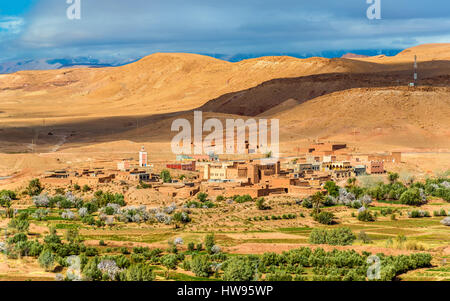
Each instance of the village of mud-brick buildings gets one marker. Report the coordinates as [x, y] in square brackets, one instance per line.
[302, 175]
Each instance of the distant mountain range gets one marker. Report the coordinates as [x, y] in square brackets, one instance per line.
[51, 64]
[89, 62]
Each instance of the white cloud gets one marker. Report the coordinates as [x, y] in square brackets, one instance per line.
[139, 27]
[11, 25]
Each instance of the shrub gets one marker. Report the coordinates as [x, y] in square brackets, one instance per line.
[366, 216]
[418, 214]
[338, 236]
[34, 188]
[86, 188]
[260, 204]
[181, 217]
[165, 176]
[202, 197]
[40, 214]
[46, 259]
[201, 266]
[191, 247]
[239, 269]
[412, 196]
[209, 242]
[89, 220]
[242, 198]
[364, 237]
[278, 276]
[442, 212]
[324, 217]
[332, 188]
[170, 261]
[138, 272]
[104, 199]
[307, 203]
[20, 223]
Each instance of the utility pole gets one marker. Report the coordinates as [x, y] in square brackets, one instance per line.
[415, 71]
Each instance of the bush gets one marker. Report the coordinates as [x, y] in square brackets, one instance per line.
[104, 199]
[202, 197]
[181, 217]
[366, 216]
[442, 212]
[34, 188]
[278, 276]
[242, 198]
[418, 214]
[338, 236]
[209, 243]
[138, 272]
[413, 197]
[332, 188]
[239, 269]
[324, 217]
[20, 223]
[46, 259]
[201, 266]
[307, 203]
[364, 237]
[165, 176]
[86, 188]
[260, 204]
[170, 261]
[191, 247]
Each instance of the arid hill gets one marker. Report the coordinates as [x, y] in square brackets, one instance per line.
[362, 100]
[159, 83]
[353, 56]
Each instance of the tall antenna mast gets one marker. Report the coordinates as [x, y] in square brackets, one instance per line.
[415, 70]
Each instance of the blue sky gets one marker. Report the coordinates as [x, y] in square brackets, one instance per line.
[118, 29]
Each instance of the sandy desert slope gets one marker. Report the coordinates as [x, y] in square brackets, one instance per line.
[365, 101]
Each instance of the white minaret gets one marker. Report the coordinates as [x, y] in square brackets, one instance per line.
[142, 158]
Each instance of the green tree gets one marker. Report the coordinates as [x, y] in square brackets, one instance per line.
[86, 188]
[332, 188]
[20, 223]
[46, 259]
[324, 217]
[239, 269]
[411, 196]
[351, 182]
[72, 235]
[393, 177]
[165, 176]
[317, 200]
[34, 188]
[138, 272]
[260, 204]
[201, 266]
[202, 197]
[209, 242]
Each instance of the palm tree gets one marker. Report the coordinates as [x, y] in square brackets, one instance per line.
[317, 199]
